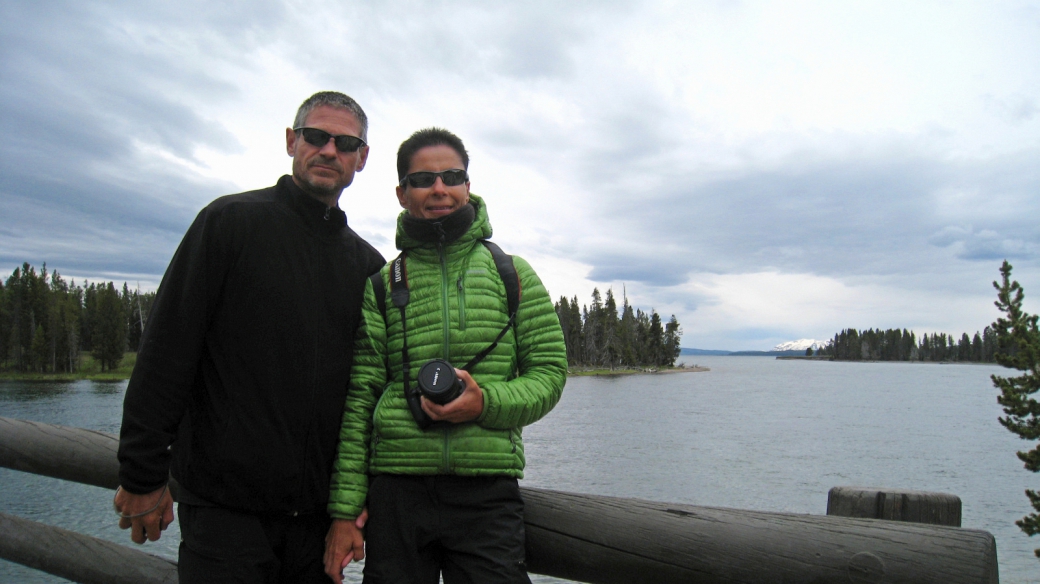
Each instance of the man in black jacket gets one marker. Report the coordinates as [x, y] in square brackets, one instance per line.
[242, 372]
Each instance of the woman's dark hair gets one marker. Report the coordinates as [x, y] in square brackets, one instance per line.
[422, 139]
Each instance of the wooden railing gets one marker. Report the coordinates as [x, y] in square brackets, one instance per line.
[586, 538]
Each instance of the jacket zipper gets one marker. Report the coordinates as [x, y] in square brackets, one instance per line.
[310, 426]
[446, 331]
[462, 303]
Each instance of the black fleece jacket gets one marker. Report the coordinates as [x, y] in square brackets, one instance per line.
[243, 369]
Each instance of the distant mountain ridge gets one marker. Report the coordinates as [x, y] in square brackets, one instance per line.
[783, 349]
[800, 345]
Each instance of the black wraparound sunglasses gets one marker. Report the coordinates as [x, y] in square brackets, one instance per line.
[320, 138]
[425, 180]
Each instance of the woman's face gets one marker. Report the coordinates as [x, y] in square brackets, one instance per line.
[437, 200]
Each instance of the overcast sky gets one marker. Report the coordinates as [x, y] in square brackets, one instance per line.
[766, 171]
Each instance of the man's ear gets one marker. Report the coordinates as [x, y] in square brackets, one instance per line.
[362, 159]
[290, 142]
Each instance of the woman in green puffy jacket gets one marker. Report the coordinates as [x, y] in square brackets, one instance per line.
[440, 480]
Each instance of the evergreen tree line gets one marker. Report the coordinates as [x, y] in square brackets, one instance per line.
[46, 322]
[600, 336]
[902, 345]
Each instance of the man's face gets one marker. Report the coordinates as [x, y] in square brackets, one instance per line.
[437, 200]
[323, 171]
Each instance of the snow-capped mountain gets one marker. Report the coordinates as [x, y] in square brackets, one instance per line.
[800, 345]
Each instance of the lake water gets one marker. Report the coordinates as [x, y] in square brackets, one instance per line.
[752, 433]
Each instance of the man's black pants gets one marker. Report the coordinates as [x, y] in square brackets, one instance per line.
[223, 546]
[470, 529]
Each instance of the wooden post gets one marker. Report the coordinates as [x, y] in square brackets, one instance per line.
[78, 557]
[895, 505]
[608, 540]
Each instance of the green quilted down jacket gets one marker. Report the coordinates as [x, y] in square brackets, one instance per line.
[457, 308]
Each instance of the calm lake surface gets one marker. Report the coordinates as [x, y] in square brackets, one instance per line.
[752, 433]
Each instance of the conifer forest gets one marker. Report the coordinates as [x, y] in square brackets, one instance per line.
[903, 345]
[46, 322]
[601, 335]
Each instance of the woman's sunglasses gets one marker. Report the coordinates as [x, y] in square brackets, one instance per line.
[320, 138]
[425, 180]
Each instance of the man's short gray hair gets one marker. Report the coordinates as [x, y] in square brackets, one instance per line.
[332, 99]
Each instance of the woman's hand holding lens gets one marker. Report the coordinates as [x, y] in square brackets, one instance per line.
[465, 408]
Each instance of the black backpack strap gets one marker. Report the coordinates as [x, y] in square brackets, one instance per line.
[506, 271]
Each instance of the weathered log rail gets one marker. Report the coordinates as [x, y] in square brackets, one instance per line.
[78, 557]
[610, 540]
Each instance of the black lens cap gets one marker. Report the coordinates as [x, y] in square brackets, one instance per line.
[437, 377]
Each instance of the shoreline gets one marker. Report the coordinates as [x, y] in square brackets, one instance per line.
[796, 358]
[87, 370]
[623, 372]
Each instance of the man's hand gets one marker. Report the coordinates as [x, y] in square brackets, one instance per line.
[465, 408]
[344, 543]
[147, 516]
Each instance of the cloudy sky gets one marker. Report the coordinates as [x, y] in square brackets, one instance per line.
[766, 171]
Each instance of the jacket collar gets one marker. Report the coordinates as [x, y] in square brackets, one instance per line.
[480, 229]
[315, 214]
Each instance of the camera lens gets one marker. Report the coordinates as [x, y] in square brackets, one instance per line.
[438, 382]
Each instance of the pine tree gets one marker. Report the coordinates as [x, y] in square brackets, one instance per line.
[65, 311]
[989, 344]
[610, 354]
[655, 341]
[5, 323]
[563, 312]
[593, 329]
[1018, 347]
[577, 330]
[644, 356]
[38, 351]
[570, 323]
[628, 333]
[672, 337]
[89, 314]
[109, 333]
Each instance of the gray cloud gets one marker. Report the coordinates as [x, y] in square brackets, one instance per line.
[402, 45]
[874, 216]
[89, 89]
[987, 245]
[1015, 110]
[85, 85]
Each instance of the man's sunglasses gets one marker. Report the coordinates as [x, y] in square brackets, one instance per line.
[425, 180]
[320, 138]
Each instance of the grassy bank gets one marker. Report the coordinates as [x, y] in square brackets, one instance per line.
[88, 369]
